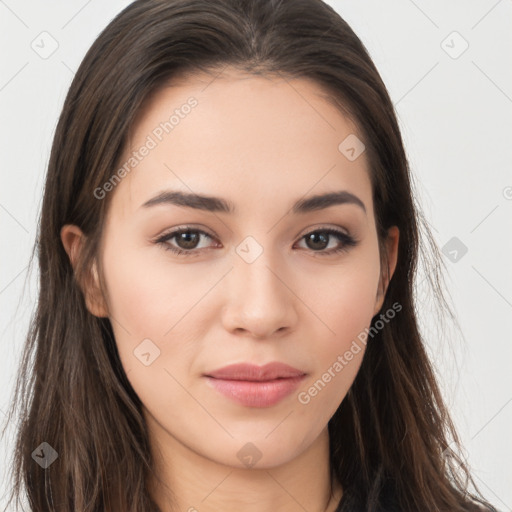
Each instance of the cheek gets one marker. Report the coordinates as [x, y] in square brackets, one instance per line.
[152, 299]
[344, 300]
[147, 294]
[336, 359]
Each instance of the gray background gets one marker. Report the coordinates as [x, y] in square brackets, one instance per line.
[454, 108]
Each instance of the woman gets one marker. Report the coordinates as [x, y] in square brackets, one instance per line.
[227, 248]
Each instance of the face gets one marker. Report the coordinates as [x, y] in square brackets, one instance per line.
[259, 275]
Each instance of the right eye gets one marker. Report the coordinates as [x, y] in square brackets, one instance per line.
[186, 240]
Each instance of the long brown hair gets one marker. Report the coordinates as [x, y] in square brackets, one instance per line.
[393, 446]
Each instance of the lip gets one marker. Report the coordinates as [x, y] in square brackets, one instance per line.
[256, 386]
[252, 372]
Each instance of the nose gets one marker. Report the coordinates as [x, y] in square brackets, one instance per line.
[260, 299]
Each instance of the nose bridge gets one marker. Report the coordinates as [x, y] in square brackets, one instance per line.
[258, 299]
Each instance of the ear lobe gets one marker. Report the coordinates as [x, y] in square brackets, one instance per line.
[381, 294]
[94, 299]
[390, 260]
[73, 239]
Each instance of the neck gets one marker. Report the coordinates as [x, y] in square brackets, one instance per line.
[188, 481]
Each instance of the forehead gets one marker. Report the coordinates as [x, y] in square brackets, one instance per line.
[251, 138]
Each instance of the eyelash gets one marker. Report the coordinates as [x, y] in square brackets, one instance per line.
[347, 241]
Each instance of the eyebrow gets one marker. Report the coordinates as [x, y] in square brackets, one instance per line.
[217, 204]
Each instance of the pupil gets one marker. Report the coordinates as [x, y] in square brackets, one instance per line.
[190, 240]
[315, 238]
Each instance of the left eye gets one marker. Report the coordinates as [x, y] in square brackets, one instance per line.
[188, 240]
[320, 239]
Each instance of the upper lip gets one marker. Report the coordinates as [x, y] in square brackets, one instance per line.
[247, 371]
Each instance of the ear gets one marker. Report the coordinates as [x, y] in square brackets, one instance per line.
[73, 239]
[391, 247]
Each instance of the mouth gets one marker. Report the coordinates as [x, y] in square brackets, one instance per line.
[254, 386]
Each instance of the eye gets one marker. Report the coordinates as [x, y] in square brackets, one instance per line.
[186, 241]
[321, 239]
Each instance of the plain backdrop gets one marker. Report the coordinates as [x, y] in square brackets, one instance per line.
[447, 69]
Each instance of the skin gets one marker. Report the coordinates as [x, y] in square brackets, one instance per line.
[262, 144]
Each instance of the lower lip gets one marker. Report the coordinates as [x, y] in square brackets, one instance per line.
[256, 394]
